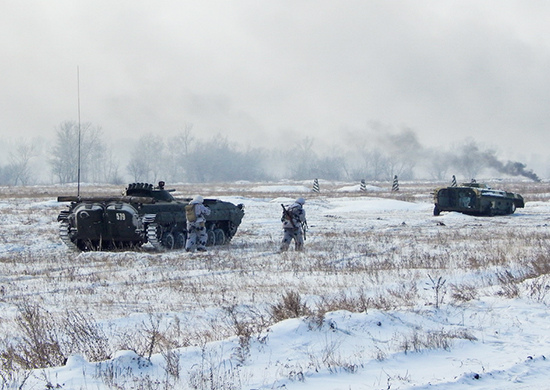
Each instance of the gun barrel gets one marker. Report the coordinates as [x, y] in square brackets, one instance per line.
[127, 199]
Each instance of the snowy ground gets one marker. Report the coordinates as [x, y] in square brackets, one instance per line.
[393, 297]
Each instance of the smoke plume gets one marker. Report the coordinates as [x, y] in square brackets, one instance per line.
[403, 146]
[518, 169]
[514, 168]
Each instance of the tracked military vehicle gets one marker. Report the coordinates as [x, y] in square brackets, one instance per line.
[476, 199]
[143, 214]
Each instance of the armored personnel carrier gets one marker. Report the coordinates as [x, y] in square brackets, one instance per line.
[143, 214]
[476, 199]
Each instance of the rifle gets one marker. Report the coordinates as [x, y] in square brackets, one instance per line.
[288, 215]
[304, 228]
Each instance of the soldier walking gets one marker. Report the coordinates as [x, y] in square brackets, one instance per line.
[196, 213]
[294, 223]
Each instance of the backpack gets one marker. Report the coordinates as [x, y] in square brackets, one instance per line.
[190, 214]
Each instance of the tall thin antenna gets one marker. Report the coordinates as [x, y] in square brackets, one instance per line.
[78, 90]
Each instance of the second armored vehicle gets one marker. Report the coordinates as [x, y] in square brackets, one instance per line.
[476, 199]
[145, 214]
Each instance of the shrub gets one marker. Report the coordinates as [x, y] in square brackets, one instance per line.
[290, 307]
[39, 345]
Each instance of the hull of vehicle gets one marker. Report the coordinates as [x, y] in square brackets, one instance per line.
[476, 199]
[144, 215]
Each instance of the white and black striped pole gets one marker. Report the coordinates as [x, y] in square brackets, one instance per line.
[453, 183]
[316, 188]
[395, 186]
[363, 186]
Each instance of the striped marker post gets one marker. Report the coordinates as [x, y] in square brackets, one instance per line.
[316, 188]
[395, 186]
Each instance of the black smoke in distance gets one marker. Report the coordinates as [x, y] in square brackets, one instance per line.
[514, 168]
[403, 145]
[518, 169]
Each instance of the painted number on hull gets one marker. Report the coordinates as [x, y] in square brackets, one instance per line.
[120, 216]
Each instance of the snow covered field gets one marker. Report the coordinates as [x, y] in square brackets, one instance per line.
[386, 296]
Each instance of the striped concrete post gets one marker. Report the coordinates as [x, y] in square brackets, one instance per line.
[316, 186]
[395, 186]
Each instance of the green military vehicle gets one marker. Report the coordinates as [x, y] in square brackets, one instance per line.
[476, 199]
[144, 214]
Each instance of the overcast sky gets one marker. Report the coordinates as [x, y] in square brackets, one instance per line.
[260, 72]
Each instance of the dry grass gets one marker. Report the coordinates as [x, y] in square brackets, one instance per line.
[356, 269]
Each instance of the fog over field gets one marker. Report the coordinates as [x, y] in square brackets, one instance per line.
[354, 77]
[377, 153]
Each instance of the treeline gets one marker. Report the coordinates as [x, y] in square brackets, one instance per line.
[187, 158]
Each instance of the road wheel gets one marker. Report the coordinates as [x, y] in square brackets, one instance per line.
[220, 236]
[211, 238]
[168, 241]
[180, 240]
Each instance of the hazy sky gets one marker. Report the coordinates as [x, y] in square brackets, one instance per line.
[261, 72]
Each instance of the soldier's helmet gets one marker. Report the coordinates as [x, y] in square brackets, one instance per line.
[197, 199]
[301, 201]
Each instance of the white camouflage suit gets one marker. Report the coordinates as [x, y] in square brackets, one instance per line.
[293, 227]
[196, 231]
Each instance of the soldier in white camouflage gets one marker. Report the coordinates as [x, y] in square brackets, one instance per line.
[294, 222]
[196, 213]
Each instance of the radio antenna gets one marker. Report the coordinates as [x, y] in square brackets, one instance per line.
[78, 92]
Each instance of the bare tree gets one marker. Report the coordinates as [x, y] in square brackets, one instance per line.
[401, 166]
[148, 160]
[19, 166]
[301, 159]
[469, 160]
[179, 148]
[69, 140]
[6, 175]
[329, 167]
[376, 166]
[218, 160]
[438, 164]
[109, 167]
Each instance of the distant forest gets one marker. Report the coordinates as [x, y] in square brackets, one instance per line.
[184, 158]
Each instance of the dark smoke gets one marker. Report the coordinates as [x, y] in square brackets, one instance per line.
[514, 168]
[403, 145]
[518, 169]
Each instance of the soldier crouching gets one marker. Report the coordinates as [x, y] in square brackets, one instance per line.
[294, 221]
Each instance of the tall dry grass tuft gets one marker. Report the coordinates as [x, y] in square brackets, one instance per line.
[354, 303]
[46, 340]
[419, 340]
[509, 284]
[84, 336]
[291, 306]
[39, 344]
